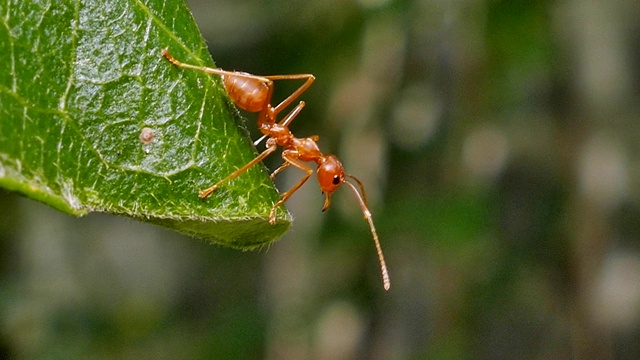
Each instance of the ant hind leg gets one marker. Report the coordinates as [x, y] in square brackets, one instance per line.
[216, 71]
[309, 79]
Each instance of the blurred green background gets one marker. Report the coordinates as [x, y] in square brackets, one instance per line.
[498, 143]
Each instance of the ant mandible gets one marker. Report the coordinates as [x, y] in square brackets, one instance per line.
[253, 93]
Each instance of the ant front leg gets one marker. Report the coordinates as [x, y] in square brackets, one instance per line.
[290, 157]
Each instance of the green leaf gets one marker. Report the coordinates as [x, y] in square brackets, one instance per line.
[79, 82]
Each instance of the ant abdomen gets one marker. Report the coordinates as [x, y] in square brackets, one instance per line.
[248, 93]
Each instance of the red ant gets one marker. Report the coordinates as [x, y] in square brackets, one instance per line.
[253, 93]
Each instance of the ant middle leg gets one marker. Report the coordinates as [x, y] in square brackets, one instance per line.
[285, 121]
[279, 169]
[271, 147]
[290, 159]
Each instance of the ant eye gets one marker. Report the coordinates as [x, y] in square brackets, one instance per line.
[336, 179]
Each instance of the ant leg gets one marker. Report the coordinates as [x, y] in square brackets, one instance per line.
[292, 115]
[271, 147]
[309, 79]
[290, 159]
[279, 169]
[167, 55]
[267, 114]
[257, 142]
[286, 121]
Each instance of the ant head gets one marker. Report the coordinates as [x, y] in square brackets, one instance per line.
[330, 174]
[330, 177]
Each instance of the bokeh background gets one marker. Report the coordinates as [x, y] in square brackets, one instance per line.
[498, 142]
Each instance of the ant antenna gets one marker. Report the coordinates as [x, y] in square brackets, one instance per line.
[367, 215]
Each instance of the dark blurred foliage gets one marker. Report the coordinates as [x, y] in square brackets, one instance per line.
[498, 144]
